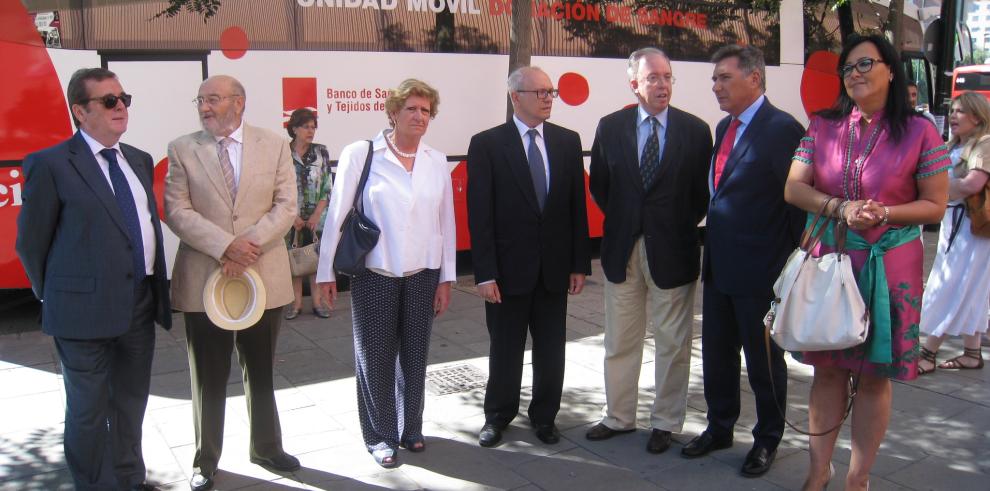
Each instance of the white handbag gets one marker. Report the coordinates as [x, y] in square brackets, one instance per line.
[303, 260]
[817, 305]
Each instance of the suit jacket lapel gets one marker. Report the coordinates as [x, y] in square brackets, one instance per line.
[742, 146]
[86, 165]
[515, 156]
[208, 157]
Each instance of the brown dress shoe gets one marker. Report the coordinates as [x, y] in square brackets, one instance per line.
[659, 441]
[602, 432]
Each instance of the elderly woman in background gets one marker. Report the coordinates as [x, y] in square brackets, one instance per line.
[410, 271]
[313, 181]
[886, 167]
[955, 296]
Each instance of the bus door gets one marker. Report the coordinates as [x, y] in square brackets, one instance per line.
[163, 86]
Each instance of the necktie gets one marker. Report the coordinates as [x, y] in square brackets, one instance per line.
[125, 201]
[536, 169]
[228, 169]
[649, 163]
[724, 150]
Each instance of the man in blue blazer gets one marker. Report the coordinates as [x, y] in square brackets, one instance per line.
[750, 233]
[90, 240]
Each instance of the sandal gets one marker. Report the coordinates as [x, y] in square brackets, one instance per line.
[957, 363]
[929, 356]
[385, 457]
[414, 445]
[291, 313]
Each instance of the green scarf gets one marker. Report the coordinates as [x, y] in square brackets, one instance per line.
[872, 282]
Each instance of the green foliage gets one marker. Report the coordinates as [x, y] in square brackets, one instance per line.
[206, 8]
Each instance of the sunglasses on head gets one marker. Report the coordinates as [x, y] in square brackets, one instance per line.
[110, 101]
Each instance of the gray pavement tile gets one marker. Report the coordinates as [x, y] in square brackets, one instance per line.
[460, 329]
[580, 469]
[60, 480]
[918, 402]
[35, 379]
[331, 464]
[339, 325]
[627, 450]
[31, 452]
[169, 358]
[174, 423]
[449, 462]
[707, 474]
[310, 366]
[170, 388]
[305, 420]
[290, 341]
[26, 349]
[938, 473]
[340, 349]
[32, 411]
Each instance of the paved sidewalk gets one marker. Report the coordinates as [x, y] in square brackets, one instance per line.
[939, 434]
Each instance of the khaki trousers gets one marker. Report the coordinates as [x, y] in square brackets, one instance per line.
[628, 307]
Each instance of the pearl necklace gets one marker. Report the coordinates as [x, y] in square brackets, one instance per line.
[390, 137]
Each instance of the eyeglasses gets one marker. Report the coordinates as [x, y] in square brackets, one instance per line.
[654, 79]
[212, 100]
[864, 65]
[110, 101]
[542, 93]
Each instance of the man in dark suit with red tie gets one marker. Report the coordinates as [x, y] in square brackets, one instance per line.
[529, 242]
[750, 232]
[91, 243]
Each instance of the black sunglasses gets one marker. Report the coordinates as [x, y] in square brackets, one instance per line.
[110, 101]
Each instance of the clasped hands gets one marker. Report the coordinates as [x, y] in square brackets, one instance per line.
[864, 214]
[240, 254]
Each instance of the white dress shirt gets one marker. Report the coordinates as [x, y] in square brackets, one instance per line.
[235, 150]
[643, 130]
[137, 190]
[540, 144]
[414, 210]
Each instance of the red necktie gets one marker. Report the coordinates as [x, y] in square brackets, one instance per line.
[725, 149]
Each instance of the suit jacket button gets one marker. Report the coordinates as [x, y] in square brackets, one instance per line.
[235, 217]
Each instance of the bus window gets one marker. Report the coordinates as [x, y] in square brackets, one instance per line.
[975, 80]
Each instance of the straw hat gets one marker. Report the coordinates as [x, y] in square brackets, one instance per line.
[234, 303]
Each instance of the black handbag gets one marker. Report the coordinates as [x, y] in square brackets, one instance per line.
[358, 234]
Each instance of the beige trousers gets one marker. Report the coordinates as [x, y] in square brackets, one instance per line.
[628, 307]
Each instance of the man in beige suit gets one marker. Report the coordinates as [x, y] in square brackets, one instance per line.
[230, 196]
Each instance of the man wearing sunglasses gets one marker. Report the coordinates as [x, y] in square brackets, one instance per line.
[529, 241]
[91, 243]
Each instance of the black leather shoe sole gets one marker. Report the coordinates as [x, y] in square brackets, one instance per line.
[284, 463]
[703, 445]
[756, 467]
[548, 434]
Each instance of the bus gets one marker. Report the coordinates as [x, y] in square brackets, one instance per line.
[339, 57]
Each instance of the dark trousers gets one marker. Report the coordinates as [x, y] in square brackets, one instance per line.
[209, 367]
[106, 393]
[544, 315]
[731, 322]
[392, 320]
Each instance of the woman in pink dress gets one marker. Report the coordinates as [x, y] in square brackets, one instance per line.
[885, 167]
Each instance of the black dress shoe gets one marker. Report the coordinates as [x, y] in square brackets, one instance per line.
[703, 444]
[200, 482]
[282, 462]
[602, 432]
[547, 433]
[758, 461]
[490, 435]
[659, 441]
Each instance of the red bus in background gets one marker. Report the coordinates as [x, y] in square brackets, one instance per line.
[974, 78]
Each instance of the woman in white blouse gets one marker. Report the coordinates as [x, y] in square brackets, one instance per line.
[410, 271]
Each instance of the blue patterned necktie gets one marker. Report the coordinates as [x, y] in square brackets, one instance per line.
[125, 201]
[649, 163]
[536, 168]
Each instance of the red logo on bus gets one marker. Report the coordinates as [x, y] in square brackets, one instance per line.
[297, 92]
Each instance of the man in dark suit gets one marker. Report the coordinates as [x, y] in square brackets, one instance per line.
[750, 233]
[529, 241]
[91, 243]
[648, 167]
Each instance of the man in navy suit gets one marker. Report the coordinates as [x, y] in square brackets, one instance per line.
[91, 243]
[648, 166]
[529, 241]
[750, 233]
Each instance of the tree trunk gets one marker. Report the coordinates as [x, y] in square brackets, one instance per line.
[446, 34]
[846, 27]
[520, 41]
[895, 22]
